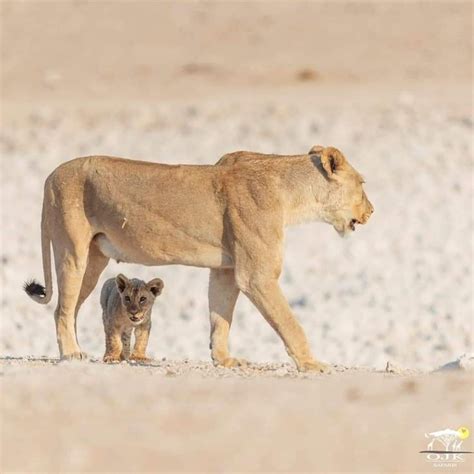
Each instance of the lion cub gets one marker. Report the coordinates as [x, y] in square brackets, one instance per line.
[126, 306]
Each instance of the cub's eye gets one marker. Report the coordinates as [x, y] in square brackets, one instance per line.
[127, 299]
[143, 299]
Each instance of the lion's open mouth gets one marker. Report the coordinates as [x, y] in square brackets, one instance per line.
[352, 223]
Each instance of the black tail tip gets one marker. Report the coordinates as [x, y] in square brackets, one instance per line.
[33, 288]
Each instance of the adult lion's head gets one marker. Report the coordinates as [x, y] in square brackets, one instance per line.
[346, 203]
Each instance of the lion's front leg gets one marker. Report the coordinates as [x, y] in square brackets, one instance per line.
[266, 295]
[223, 293]
[258, 258]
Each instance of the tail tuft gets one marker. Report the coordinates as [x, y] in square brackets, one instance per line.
[34, 289]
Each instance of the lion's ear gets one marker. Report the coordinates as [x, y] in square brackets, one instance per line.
[316, 150]
[332, 160]
[122, 282]
[155, 286]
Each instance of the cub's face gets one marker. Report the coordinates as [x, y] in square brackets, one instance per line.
[137, 297]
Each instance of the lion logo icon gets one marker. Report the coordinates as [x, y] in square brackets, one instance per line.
[450, 439]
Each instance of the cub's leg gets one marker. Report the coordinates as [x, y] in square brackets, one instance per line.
[223, 293]
[113, 344]
[126, 336]
[142, 333]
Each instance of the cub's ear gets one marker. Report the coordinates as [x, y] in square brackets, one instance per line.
[155, 286]
[332, 160]
[122, 282]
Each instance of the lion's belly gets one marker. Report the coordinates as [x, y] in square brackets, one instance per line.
[183, 252]
[155, 214]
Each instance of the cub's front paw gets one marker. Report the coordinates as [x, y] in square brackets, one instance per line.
[140, 358]
[314, 366]
[111, 359]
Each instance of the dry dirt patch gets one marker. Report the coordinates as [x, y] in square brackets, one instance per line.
[190, 417]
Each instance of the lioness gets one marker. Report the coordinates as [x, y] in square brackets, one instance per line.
[126, 308]
[228, 218]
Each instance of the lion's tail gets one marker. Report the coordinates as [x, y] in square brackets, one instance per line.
[33, 289]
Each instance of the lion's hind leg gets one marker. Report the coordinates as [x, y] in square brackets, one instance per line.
[223, 293]
[96, 263]
[71, 262]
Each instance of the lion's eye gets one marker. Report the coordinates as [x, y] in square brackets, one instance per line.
[143, 299]
[127, 299]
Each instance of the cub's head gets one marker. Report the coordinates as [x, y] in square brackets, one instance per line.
[345, 202]
[137, 296]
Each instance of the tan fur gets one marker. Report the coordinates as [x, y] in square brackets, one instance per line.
[126, 309]
[229, 218]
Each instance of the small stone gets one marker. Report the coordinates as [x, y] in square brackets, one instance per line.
[281, 372]
[464, 362]
[393, 368]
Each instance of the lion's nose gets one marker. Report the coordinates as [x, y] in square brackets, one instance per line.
[133, 310]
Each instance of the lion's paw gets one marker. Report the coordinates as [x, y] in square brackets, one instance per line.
[231, 362]
[315, 366]
[74, 356]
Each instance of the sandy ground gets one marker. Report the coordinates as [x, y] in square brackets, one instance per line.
[387, 83]
[173, 416]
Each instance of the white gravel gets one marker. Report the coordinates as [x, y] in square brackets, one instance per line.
[398, 289]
